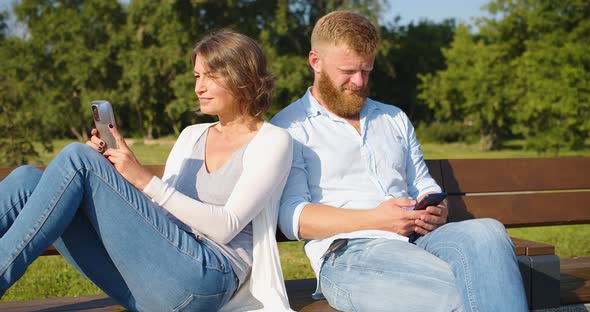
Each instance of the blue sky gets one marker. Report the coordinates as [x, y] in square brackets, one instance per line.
[414, 10]
[435, 10]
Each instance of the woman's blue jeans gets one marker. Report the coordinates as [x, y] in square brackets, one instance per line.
[461, 266]
[111, 233]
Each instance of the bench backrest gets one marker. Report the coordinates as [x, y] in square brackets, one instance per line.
[518, 192]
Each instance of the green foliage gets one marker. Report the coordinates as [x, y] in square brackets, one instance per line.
[446, 132]
[526, 73]
[19, 126]
[71, 59]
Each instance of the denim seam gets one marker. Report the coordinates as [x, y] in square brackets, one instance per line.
[148, 221]
[37, 226]
[466, 272]
[339, 291]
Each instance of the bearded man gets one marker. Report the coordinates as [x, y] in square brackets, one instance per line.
[357, 167]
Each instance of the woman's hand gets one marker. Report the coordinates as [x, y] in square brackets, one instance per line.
[95, 142]
[126, 163]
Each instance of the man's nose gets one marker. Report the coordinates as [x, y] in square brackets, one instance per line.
[358, 79]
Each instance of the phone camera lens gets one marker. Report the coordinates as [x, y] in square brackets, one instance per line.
[95, 113]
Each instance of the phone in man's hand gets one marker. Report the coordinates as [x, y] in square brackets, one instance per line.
[430, 200]
[102, 112]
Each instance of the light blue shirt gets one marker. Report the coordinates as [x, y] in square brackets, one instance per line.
[335, 165]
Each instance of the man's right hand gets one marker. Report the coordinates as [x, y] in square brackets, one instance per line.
[394, 218]
[319, 221]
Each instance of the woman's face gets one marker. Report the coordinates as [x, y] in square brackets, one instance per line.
[214, 97]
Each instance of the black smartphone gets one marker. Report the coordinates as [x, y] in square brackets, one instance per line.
[430, 200]
[102, 112]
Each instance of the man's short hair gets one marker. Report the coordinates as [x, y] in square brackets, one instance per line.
[345, 27]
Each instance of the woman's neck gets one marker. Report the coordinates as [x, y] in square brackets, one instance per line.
[238, 125]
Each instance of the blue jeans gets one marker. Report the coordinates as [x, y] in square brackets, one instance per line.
[111, 233]
[461, 266]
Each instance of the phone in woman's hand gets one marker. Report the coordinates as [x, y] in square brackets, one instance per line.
[102, 112]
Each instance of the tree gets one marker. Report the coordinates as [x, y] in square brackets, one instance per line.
[552, 81]
[76, 59]
[527, 72]
[19, 127]
[473, 88]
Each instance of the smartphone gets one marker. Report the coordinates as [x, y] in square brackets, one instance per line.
[430, 200]
[102, 111]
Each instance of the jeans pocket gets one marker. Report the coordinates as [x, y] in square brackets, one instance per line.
[221, 260]
[201, 303]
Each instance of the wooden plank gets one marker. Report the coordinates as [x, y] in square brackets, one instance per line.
[519, 246]
[94, 303]
[434, 168]
[575, 280]
[319, 306]
[515, 210]
[519, 174]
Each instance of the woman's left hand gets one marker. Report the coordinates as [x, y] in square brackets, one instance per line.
[126, 163]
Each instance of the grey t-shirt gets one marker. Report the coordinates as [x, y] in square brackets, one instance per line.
[215, 188]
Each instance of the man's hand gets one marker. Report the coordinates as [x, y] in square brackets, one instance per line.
[436, 216]
[394, 218]
[126, 163]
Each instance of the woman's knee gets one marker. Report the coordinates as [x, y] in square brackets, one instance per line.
[78, 152]
[25, 173]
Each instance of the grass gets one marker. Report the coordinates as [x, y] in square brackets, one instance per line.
[50, 277]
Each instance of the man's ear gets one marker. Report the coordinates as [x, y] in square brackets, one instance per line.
[314, 61]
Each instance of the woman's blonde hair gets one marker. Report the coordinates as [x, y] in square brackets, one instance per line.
[240, 61]
[354, 30]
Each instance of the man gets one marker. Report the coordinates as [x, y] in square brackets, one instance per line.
[356, 171]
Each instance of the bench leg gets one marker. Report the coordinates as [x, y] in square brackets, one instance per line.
[524, 265]
[540, 276]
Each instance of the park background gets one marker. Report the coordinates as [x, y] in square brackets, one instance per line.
[511, 80]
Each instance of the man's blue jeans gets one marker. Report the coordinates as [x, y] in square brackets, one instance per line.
[461, 266]
[110, 232]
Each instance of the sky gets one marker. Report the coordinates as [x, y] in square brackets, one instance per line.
[435, 10]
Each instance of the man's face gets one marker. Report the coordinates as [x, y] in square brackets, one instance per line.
[343, 79]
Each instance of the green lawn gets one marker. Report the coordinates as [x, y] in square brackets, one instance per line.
[52, 277]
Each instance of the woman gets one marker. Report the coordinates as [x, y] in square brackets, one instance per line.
[200, 239]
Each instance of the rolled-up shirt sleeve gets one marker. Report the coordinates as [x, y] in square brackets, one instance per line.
[419, 180]
[295, 195]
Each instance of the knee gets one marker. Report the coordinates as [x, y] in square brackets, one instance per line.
[487, 232]
[25, 172]
[77, 151]
[75, 148]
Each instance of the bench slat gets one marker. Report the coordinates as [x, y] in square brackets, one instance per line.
[518, 174]
[515, 210]
[575, 280]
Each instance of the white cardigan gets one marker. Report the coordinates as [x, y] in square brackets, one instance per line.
[255, 198]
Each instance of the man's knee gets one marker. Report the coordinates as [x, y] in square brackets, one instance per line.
[485, 232]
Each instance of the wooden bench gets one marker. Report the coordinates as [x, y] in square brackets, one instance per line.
[517, 192]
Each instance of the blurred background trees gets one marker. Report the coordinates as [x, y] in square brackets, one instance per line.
[523, 73]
